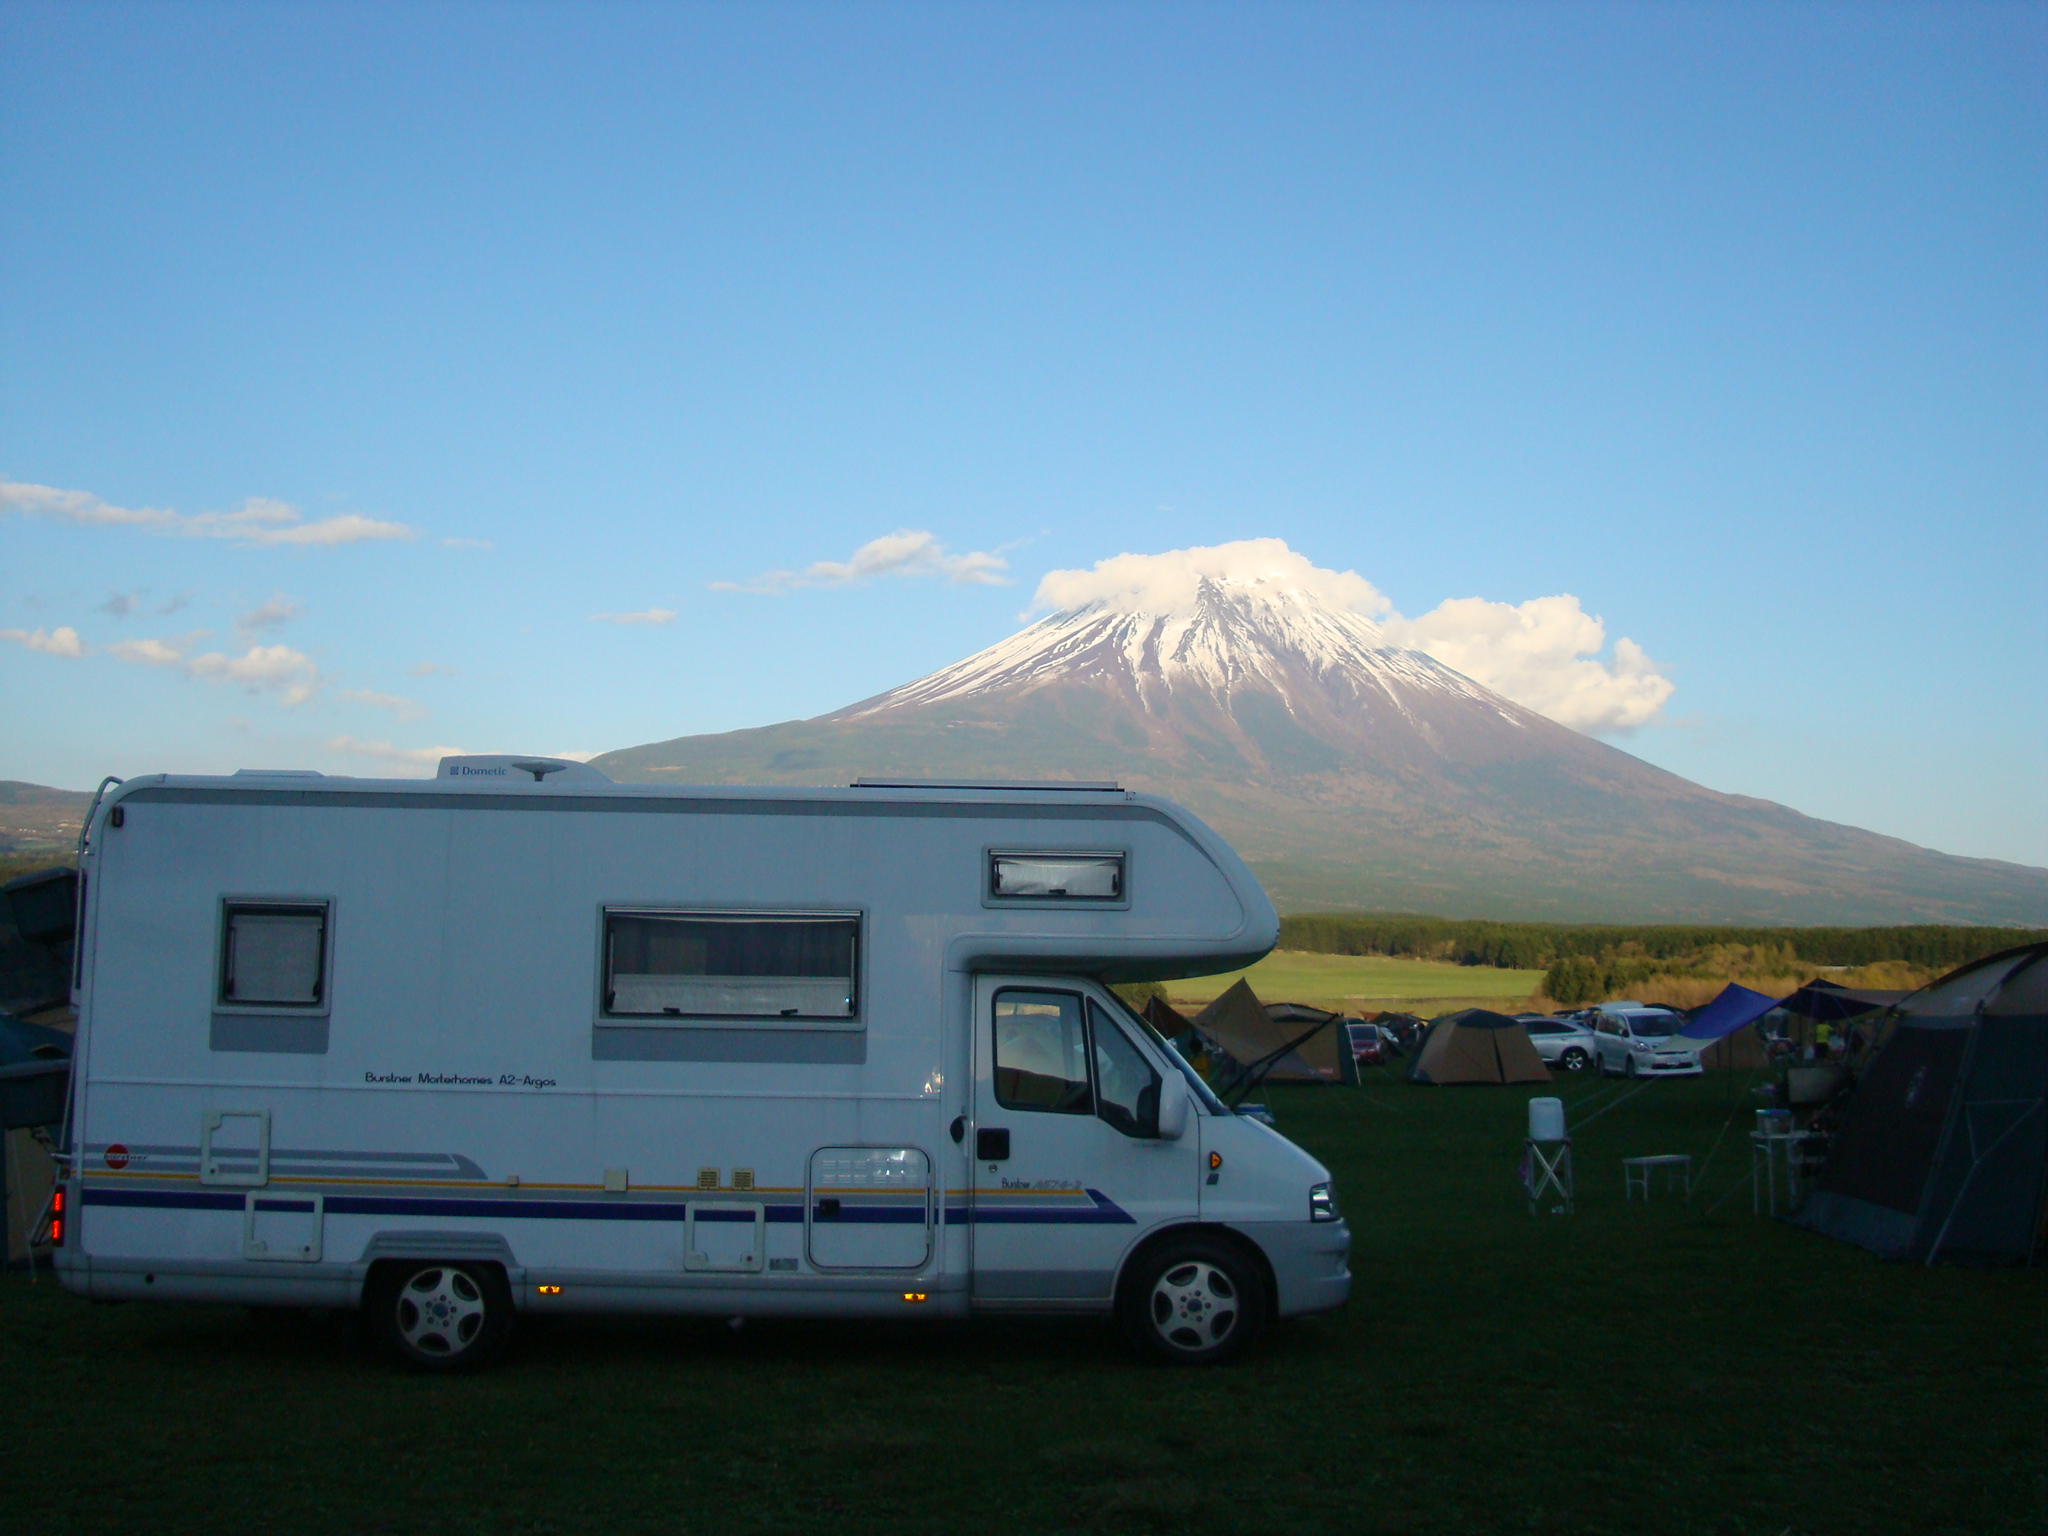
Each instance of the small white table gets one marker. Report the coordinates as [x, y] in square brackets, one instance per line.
[1764, 1156]
[1635, 1173]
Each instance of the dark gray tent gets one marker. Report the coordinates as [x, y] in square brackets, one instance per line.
[1943, 1151]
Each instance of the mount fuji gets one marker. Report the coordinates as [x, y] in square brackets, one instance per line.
[1353, 772]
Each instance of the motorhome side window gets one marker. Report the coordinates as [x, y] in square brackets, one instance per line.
[717, 965]
[273, 954]
[1055, 877]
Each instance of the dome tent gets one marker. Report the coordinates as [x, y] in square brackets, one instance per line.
[1476, 1045]
[1943, 1150]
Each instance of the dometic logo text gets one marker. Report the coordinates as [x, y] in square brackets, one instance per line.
[464, 771]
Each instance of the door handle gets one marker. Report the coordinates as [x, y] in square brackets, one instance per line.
[991, 1144]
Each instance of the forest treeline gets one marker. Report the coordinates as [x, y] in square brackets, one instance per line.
[1583, 961]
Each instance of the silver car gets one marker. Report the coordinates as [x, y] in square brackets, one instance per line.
[1562, 1043]
[1635, 1041]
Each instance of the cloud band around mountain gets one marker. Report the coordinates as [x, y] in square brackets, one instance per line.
[1544, 654]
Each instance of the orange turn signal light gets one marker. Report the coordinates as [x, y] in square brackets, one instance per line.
[913, 1295]
[549, 1290]
[1215, 1161]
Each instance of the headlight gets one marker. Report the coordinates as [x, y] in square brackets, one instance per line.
[1322, 1203]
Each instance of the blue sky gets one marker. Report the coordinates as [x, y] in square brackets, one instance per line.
[1727, 321]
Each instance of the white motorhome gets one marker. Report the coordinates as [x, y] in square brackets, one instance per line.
[522, 1040]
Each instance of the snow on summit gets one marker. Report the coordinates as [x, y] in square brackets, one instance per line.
[1203, 621]
[1212, 621]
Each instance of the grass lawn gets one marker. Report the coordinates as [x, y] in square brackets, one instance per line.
[1349, 983]
[1628, 1369]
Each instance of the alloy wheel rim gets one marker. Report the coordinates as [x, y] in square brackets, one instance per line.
[440, 1312]
[1194, 1306]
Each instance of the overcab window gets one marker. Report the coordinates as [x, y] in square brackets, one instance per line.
[274, 954]
[1055, 877]
[715, 965]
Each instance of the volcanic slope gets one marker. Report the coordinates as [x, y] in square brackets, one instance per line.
[1352, 773]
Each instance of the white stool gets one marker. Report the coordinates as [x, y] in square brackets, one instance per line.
[1547, 1165]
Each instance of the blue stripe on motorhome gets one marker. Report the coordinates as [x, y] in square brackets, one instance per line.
[1104, 1211]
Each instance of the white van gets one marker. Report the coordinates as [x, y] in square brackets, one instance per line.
[522, 1040]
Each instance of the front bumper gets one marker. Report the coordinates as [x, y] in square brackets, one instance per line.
[1311, 1263]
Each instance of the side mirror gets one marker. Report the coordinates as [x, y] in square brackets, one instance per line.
[1173, 1109]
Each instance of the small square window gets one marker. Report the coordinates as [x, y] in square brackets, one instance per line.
[1056, 877]
[274, 954]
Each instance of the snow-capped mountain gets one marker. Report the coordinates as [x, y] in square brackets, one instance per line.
[1350, 771]
[1227, 636]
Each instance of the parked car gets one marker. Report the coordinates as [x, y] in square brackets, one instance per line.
[1562, 1043]
[1368, 1045]
[1635, 1041]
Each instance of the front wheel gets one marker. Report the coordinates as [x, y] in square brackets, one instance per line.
[1574, 1060]
[1630, 1070]
[442, 1317]
[1195, 1301]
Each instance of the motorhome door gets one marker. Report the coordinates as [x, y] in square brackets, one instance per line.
[1068, 1167]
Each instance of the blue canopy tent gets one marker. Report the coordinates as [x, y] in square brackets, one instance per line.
[1715, 1031]
[1735, 1007]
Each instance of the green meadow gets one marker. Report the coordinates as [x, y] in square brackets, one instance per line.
[1349, 983]
[1629, 1370]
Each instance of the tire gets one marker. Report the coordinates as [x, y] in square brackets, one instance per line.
[1573, 1060]
[1629, 1071]
[1194, 1301]
[442, 1317]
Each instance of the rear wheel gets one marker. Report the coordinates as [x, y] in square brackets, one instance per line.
[442, 1317]
[1574, 1060]
[1194, 1301]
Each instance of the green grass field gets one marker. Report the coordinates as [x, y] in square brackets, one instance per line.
[1348, 983]
[1628, 1369]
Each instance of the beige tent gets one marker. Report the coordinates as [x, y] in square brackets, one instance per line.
[1477, 1046]
[1238, 1023]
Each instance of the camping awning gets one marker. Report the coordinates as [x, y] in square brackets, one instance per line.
[1735, 1007]
[1826, 1003]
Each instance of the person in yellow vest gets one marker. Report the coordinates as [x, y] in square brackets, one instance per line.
[1823, 1040]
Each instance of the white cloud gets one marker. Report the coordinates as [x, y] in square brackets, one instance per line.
[288, 673]
[154, 652]
[259, 523]
[385, 752]
[275, 614]
[402, 709]
[644, 616]
[430, 669]
[1168, 582]
[1544, 654]
[912, 552]
[61, 641]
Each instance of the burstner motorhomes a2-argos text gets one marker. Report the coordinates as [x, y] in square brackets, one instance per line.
[522, 1040]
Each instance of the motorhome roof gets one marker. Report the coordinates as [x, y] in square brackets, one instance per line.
[1098, 786]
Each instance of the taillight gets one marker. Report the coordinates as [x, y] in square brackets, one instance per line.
[57, 1217]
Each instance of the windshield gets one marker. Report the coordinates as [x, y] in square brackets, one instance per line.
[1653, 1026]
[1204, 1094]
